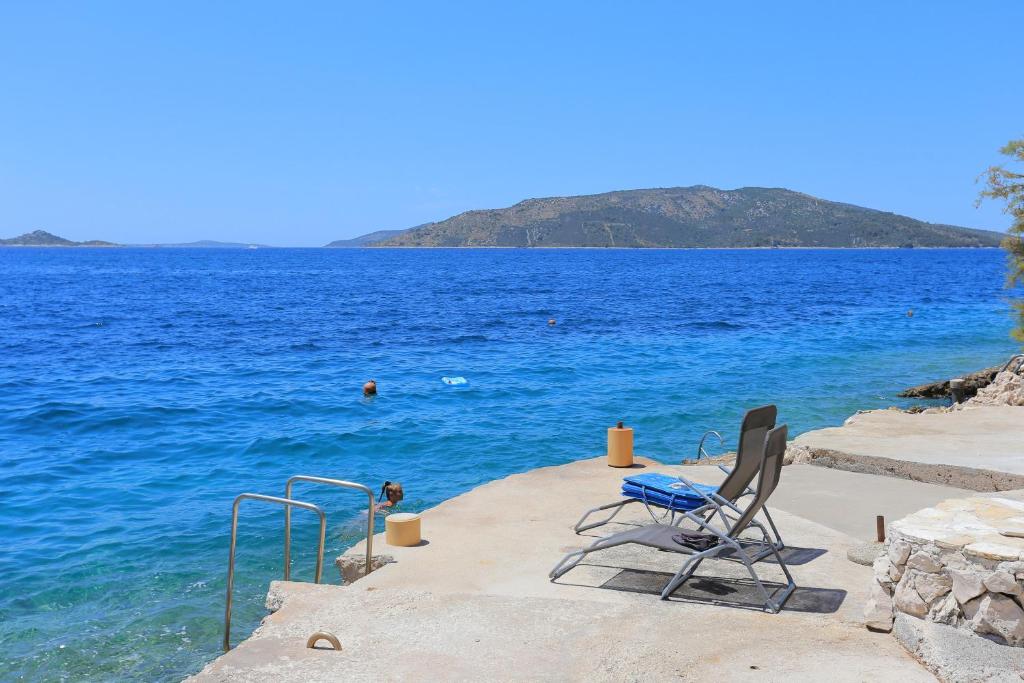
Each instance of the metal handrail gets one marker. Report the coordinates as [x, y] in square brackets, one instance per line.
[332, 482]
[700, 446]
[1016, 358]
[288, 503]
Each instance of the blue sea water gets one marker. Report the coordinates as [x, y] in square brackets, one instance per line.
[141, 390]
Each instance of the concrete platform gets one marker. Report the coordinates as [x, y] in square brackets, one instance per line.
[979, 448]
[474, 601]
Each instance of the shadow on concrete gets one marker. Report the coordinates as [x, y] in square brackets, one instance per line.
[729, 592]
[791, 556]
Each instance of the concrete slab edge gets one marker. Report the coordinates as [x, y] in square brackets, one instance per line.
[947, 475]
[955, 656]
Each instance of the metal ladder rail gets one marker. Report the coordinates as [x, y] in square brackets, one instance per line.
[288, 503]
[371, 508]
[700, 446]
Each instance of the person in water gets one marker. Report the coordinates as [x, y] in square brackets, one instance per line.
[394, 493]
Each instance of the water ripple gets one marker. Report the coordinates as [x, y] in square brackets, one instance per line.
[144, 389]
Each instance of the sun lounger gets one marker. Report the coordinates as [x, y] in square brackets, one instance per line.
[717, 536]
[672, 496]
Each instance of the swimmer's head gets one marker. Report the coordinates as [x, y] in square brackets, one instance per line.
[394, 492]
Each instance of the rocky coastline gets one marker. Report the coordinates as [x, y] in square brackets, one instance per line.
[1001, 385]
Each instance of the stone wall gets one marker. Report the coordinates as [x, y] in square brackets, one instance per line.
[942, 565]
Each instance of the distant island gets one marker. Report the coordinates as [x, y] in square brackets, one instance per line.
[41, 238]
[681, 217]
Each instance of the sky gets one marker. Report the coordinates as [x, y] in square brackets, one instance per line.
[295, 124]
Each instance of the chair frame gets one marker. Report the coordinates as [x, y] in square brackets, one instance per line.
[670, 513]
[728, 536]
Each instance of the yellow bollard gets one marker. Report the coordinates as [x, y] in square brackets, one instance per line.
[402, 529]
[620, 446]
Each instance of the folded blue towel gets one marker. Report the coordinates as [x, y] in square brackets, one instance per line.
[665, 491]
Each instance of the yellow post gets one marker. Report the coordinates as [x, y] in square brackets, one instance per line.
[620, 446]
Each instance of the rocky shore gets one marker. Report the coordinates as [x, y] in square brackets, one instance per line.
[973, 382]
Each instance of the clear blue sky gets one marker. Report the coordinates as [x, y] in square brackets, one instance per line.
[147, 122]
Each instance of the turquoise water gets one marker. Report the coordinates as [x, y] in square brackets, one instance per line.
[143, 389]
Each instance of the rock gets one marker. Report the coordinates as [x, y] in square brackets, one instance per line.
[1000, 616]
[1015, 568]
[797, 454]
[878, 610]
[988, 550]
[907, 598]
[1002, 582]
[970, 608]
[881, 568]
[895, 572]
[924, 562]
[865, 553]
[972, 383]
[967, 585]
[932, 586]
[954, 560]
[899, 551]
[353, 567]
[1006, 389]
[945, 611]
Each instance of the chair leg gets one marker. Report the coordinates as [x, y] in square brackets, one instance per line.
[681, 576]
[617, 506]
[777, 540]
[773, 606]
[790, 583]
[574, 558]
[767, 547]
[691, 564]
[768, 602]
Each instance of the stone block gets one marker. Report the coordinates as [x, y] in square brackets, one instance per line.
[967, 585]
[907, 599]
[881, 569]
[899, 551]
[945, 610]
[954, 559]
[932, 586]
[924, 562]
[1003, 582]
[878, 610]
[1000, 616]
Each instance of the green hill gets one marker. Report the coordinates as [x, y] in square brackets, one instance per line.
[697, 216]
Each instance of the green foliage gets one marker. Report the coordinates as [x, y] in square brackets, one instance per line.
[1008, 185]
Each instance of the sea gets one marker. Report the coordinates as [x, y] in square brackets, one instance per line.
[141, 390]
